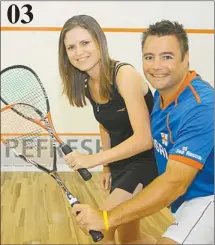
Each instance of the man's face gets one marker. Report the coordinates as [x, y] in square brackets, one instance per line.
[162, 62]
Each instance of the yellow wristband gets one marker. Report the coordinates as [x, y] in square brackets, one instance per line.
[105, 216]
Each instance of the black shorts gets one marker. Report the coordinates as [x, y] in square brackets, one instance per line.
[141, 170]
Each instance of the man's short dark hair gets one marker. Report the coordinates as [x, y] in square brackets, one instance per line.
[167, 28]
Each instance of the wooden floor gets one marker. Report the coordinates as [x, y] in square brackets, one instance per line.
[35, 211]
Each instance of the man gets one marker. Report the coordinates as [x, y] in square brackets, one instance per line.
[182, 125]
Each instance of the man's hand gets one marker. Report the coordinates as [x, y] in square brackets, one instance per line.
[88, 218]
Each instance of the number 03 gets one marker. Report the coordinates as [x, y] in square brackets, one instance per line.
[13, 13]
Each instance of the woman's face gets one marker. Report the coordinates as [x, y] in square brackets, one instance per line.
[82, 50]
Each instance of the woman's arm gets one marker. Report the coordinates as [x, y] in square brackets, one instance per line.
[130, 86]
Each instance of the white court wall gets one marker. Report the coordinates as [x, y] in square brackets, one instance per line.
[39, 49]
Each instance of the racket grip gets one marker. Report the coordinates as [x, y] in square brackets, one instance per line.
[96, 235]
[85, 174]
[66, 149]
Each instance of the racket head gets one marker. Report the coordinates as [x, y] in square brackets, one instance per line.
[20, 84]
[28, 139]
[31, 113]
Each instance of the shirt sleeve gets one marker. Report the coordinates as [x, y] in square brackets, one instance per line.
[195, 139]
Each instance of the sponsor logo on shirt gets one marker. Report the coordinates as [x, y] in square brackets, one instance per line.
[159, 148]
[123, 109]
[185, 152]
[164, 138]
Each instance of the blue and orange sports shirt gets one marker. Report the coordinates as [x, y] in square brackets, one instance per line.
[183, 130]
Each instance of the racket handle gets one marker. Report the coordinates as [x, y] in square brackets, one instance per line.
[66, 149]
[85, 174]
[96, 235]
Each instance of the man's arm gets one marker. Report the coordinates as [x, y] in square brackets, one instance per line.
[159, 194]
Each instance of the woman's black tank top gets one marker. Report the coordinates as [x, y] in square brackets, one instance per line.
[114, 117]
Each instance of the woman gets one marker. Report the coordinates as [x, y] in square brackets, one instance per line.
[121, 104]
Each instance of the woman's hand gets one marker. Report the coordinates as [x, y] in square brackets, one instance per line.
[105, 179]
[77, 160]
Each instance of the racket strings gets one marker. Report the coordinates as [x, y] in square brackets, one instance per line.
[27, 111]
[30, 112]
[20, 85]
[30, 139]
[27, 138]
